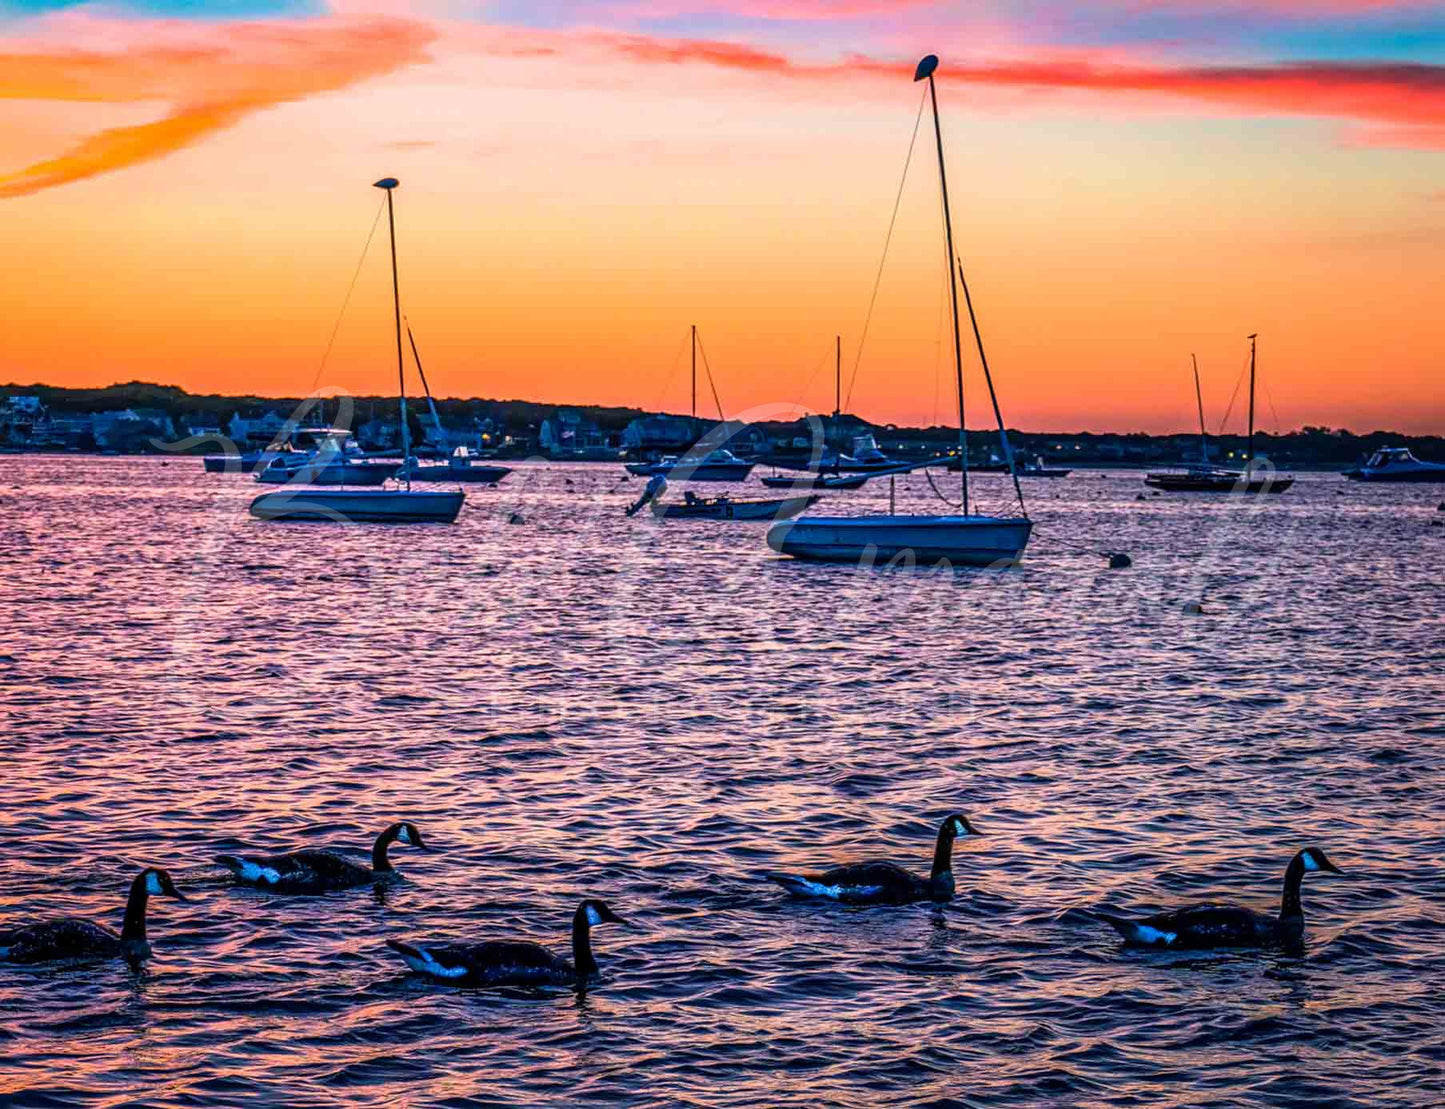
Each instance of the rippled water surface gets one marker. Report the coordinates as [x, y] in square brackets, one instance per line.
[581, 704]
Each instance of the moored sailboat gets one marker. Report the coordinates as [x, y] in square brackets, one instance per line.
[343, 505]
[965, 539]
[1204, 478]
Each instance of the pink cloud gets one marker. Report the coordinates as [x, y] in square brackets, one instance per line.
[212, 76]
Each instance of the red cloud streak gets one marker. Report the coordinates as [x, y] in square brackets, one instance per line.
[1405, 100]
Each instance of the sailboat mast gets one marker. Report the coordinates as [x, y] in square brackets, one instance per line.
[838, 378]
[925, 69]
[1249, 456]
[1199, 397]
[390, 183]
[694, 372]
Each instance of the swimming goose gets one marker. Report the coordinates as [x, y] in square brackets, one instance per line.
[512, 963]
[71, 938]
[884, 883]
[321, 871]
[1205, 926]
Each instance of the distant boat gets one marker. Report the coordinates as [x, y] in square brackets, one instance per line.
[1397, 464]
[335, 458]
[725, 508]
[716, 465]
[965, 539]
[461, 465]
[299, 502]
[1204, 478]
[806, 480]
[242, 462]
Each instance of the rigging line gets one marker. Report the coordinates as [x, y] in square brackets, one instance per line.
[672, 372]
[349, 290]
[878, 280]
[1278, 423]
[928, 473]
[807, 384]
[710, 382]
[1233, 396]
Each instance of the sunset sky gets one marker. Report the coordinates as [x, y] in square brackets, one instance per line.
[185, 190]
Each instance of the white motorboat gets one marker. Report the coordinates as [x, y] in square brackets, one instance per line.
[1397, 464]
[335, 459]
[460, 465]
[966, 539]
[718, 465]
[343, 505]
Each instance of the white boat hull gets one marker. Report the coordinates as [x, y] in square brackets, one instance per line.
[923, 540]
[358, 506]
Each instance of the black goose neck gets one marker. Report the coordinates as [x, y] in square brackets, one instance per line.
[582, 944]
[1289, 905]
[379, 858]
[134, 928]
[943, 850]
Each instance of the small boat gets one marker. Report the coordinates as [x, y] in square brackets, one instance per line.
[718, 465]
[359, 506]
[715, 465]
[1397, 464]
[966, 539]
[1204, 478]
[461, 465]
[342, 505]
[241, 463]
[694, 507]
[809, 480]
[335, 459]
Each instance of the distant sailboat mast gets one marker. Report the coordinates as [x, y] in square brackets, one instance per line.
[694, 373]
[390, 183]
[1199, 397]
[1249, 457]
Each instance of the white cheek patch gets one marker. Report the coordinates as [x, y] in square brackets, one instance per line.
[403, 836]
[1147, 934]
[1309, 861]
[593, 916]
[153, 883]
[254, 872]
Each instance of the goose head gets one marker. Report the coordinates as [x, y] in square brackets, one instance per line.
[408, 833]
[956, 824]
[1312, 858]
[158, 882]
[597, 912]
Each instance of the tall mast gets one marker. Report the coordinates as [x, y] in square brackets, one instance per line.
[390, 183]
[1199, 396]
[925, 69]
[838, 400]
[838, 379]
[694, 372]
[1249, 457]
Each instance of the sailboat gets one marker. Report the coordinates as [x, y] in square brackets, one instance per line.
[352, 505]
[1205, 478]
[716, 465]
[967, 539]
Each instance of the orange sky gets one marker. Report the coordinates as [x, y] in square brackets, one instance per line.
[185, 202]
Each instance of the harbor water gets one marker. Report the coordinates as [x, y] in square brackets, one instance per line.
[656, 713]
